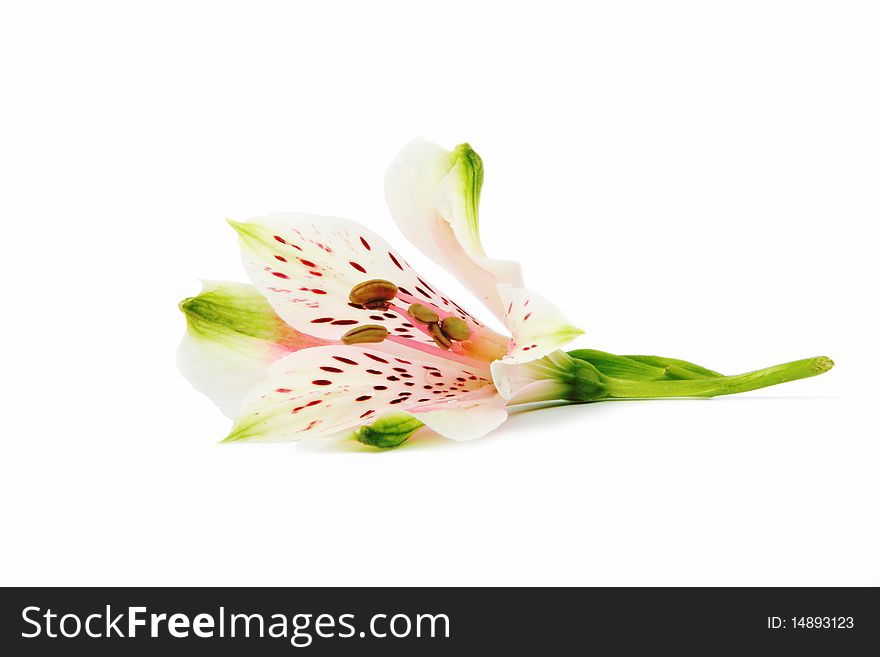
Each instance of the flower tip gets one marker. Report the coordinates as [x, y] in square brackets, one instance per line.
[185, 304]
[822, 364]
[233, 437]
[244, 229]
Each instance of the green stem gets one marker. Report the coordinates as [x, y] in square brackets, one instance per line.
[713, 387]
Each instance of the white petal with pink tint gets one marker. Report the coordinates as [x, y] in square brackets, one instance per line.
[306, 265]
[537, 326]
[325, 390]
[433, 195]
[469, 418]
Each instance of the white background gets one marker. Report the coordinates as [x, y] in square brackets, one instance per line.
[696, 180]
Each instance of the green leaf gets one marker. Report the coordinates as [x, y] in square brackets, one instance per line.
[389, 430]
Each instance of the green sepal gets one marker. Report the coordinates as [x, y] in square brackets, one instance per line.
[642, 368]
[388, 431]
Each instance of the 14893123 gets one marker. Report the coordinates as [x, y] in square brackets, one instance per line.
[810, 623]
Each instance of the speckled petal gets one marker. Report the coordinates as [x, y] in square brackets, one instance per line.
[307, 265]
[537, 326]
[325, 390]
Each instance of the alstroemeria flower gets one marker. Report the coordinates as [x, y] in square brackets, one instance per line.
[339, 335]
[305, 268]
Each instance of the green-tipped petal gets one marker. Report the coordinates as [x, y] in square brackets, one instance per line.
[434, 196]
[325, 391]
[537, 326]
[232, 336]
[307, 266]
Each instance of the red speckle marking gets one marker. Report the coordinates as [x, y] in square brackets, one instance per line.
[364, 398]
[366, 244]
[396, 401]
[281, 258]
[527, 316]
[405, 362]
[322, 320]
[343, 322]
[395, 261]
[376, 358]
[380, 387]
[327, 368]
[307, 263]
[367, 413]
[316, 273]
[317, 291]
[278, 238]
[358, 267]
[280, 274]
[314, 402]
[321, 382]
[373, 372]
[282, 390]
[347, 361]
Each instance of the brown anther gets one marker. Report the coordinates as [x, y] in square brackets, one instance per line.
[441, 340]
[423, 314]
[365, 333]
[455, 328]
[372, 292]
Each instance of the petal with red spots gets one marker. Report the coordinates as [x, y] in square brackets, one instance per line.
[304, 396]
[537, 326]
[306, 265]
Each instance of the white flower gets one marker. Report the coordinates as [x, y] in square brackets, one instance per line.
[272, 355]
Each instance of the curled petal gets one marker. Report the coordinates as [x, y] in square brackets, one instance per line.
[307, 266]
[545, 379]
[232, 336]
[537, 326]
[326, 390]
[469, 418]
[434, 196]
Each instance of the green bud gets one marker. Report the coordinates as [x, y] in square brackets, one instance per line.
[389, 430]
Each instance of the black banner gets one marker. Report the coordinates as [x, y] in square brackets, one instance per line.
[436, 621]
